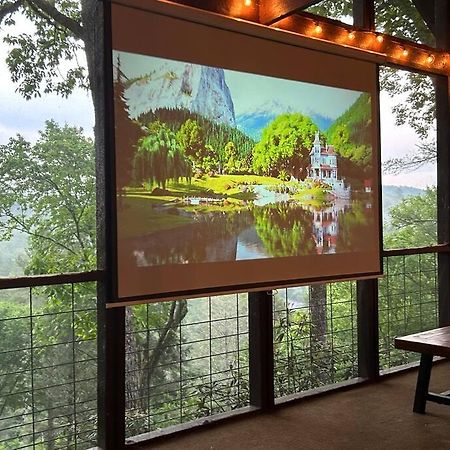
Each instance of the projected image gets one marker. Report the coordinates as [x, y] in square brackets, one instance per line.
[219, 165]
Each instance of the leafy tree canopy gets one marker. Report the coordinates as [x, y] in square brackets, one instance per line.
[48, 192]
[59, 31]
[285, 145]
[351, 132]
[414, 221]
[160, 157]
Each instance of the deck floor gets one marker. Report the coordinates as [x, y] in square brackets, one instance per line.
[376, 416]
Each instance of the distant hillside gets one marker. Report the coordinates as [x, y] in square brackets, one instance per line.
[351, 132]
[393, 195]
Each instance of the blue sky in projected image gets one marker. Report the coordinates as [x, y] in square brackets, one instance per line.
[28, 117]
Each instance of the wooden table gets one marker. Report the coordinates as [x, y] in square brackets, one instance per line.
[429, 343]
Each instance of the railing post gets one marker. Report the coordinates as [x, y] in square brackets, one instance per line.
[260, 318]
[111, 377]
[368, 353]
[442, 27]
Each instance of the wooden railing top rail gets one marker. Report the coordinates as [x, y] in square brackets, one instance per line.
[439, 248]
[48, 280]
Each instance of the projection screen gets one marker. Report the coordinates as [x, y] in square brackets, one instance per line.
[241, 162]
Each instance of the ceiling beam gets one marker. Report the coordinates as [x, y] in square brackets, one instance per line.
[271, 11]
[232, 8]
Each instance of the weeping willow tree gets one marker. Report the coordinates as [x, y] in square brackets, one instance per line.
[159, 157]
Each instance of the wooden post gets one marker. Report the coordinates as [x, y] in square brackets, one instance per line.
[364, 14]
[260, 317]
[110, 322]
[368, 353]
[367, 290]
[442, 27]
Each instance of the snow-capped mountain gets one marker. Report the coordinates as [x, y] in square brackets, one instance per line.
[253, 122]
[182, 85]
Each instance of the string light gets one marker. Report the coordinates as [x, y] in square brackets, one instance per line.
[367, 41]
[318, 28]
[247, 2]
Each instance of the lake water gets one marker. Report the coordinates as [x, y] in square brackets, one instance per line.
[268, 227]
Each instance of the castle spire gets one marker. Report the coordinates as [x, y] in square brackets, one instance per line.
[317, 139]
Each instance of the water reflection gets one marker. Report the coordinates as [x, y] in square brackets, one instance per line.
[285, 228]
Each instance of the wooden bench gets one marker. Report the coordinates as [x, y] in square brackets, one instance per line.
[429, 343]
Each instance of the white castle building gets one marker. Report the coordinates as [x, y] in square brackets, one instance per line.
[323, 167]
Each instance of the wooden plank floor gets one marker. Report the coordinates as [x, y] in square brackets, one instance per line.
[377, 416]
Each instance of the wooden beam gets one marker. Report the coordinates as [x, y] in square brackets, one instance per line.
[232, 8]
[367, 319]
[272, 11]
[364, 14]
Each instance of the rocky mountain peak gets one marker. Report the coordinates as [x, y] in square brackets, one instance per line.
[172, 84]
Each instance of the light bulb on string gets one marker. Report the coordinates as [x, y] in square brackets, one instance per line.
[318, 28]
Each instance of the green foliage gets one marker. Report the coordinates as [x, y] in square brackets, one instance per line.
[284, 230]
[314, 340]
[35, 58]
[48, 192]
[128, 134]
[195, 131]
[351, 134]
[414, 222]
[284, 147]
[159, 157]
[332, 9]
[402, 19]
[190, 137]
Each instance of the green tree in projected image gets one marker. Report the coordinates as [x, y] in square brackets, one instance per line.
[283, 150]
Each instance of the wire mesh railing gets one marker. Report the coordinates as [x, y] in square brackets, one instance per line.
[186, 360]
[48, 373]
[408, 303]
[315, 337]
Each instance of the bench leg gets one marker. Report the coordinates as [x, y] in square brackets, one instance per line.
[423, 381]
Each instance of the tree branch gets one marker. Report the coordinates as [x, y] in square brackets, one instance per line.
[9, 9]
[24, 229]
[60, 18]
[178, 310]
